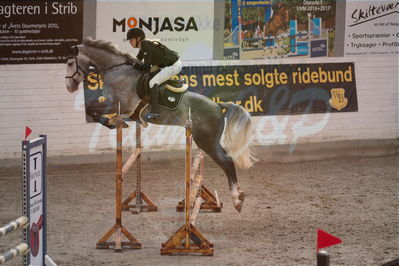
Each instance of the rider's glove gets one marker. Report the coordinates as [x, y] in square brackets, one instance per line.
[130, 61]
[142, 67]
[146, 68]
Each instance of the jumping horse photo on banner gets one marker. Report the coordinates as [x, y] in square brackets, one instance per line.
[125, 90]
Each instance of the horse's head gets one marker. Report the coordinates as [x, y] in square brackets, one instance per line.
[77, 65]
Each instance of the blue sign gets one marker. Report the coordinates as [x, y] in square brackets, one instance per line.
[230, 53]
[302, 48]
[318, 48]
[316, 27]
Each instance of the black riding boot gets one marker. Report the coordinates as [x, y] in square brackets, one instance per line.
[154, 95]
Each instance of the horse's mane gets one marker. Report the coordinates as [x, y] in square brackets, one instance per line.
[107, 46]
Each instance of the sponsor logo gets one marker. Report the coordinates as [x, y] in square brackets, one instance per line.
[321, 48]
[374, 11]
[338, 100]
[155, 24]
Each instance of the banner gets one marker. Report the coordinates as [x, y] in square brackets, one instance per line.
[183, 26]
[34, 32]
[265, 90]
[279, 28]
[278, 89]
[372, 28]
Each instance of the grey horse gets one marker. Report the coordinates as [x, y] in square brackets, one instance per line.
[208, 118]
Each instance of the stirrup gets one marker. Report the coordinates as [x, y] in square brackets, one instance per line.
[152, 116]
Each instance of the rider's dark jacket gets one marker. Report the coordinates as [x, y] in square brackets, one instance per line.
[155, 53]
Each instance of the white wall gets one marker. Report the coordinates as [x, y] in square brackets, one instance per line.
[35, 95]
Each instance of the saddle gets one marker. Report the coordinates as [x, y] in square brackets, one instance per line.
[177, 86]
[170, 94]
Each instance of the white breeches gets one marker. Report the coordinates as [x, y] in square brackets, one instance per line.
[166, 73]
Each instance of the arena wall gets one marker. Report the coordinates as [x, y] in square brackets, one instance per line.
[35, 95]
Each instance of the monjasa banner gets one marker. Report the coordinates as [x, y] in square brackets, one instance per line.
[264, 90]
[186, 27]
[278, 89]
[36, 31]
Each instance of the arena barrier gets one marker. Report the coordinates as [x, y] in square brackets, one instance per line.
[118, 228]
[188, 240]
[210, 202]
[21, 249]
[139, 195]
[34, 207]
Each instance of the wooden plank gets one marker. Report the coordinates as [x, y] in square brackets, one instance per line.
[171, 251]
[118, 229]
[125, 203]
[107, 235]
[195, 188]
[175, 239]
[212, 202]
[196, 209]
[130, 161]
[197, 243]
[188, 239]
[196, 165]
[187, 178]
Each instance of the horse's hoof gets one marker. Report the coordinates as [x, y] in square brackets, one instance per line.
[238, 201]
[238, 205]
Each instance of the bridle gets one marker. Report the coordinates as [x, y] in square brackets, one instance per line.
[81, 69]
[76, 71]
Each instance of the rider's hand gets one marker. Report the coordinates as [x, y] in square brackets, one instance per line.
[142, 67]
[138, 66]
[146, 68]
[130, 61]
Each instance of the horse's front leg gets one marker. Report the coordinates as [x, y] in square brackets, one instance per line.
[102, 112]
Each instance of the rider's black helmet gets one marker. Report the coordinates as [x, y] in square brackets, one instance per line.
[135, 33]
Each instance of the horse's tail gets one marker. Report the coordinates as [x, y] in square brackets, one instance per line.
[238, 135]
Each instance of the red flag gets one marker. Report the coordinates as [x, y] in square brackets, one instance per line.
[27, 132]
[325, 239]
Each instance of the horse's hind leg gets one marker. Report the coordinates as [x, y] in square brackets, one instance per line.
[211, 145]
[226, 163]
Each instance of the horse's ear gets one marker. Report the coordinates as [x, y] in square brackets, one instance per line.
[75, 50]
[72, 50]
[69, 49]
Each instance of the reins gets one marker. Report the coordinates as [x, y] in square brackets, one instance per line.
[84, 72]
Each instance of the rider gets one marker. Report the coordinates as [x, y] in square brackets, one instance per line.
[154, 53]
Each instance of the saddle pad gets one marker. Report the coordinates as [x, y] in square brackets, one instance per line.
[142, 86]
[170, 100]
